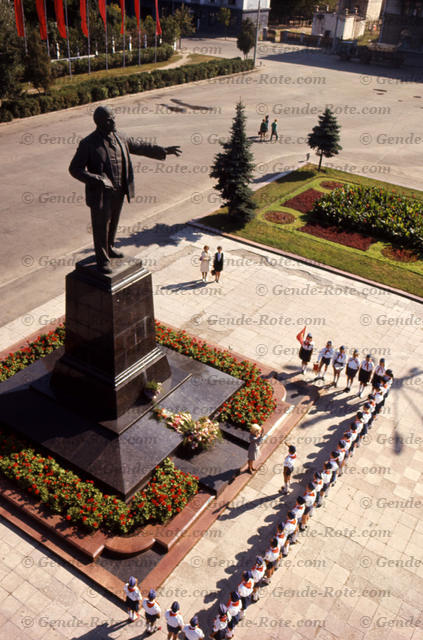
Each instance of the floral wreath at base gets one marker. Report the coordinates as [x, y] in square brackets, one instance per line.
[198, 434]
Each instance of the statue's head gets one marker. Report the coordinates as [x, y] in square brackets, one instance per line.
[105, 119]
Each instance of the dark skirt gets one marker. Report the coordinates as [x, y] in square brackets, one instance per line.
[305, 354]
[151, 617]
[376, 379]
[325, 361]
[364, 376]
[351, 373]
[133, 605]
[172, 629]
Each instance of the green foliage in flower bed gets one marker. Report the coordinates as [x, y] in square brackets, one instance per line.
[43, 345]
[253, 403]
[81, 503]
[373, 211]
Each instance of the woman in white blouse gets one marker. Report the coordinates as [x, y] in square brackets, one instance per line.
[338, 363]
[364, 376]
[353, 365]
[205, 262]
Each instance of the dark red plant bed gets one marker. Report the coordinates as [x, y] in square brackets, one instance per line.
[330, 184]
[399, 254]
[304, 201]
[347, 238]
[281, 217]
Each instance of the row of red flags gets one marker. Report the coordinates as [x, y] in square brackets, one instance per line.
[60, 18]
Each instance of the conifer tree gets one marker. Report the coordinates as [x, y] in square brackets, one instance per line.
[325, 136]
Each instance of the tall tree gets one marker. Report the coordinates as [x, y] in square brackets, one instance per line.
[246, 37]
[233, 168]
[325, 136]
[11, 52]
[37, 62]
[224, 17]
[185, 22]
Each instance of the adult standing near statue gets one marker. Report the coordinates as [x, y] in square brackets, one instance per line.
[103, 162]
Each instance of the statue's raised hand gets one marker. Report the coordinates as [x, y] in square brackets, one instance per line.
[173, 151]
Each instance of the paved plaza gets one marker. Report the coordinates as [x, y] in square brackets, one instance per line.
[356, 573]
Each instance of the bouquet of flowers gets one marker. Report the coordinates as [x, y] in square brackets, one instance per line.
[198, 434]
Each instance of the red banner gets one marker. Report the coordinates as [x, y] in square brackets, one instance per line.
[158, 27]
[19, 18]
[122, 10]
[137, 12]
[102, 10]
[60, 18]
[300, 336]
[39, 4]
[83, 11]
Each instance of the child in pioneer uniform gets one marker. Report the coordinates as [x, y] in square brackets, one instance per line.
[288, 467]
[235, 609]
[271, 556]
[325, 356]
[220, 625]
[338, 363]
[365, 373]
[310, 498]
[318, 482]
[298, 512]
[334, 460]
[378, 373]
[258, 574]
[379, 393]
[306, 350]
[152, 611]
[192, 631]
[326, 478]
[353, 365]
[245, 589]
[174, 621]
[291, 525]
[133, 597]
[283, 544]
[388, 380]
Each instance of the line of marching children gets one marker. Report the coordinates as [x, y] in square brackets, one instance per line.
[260, 575]
[367, 369]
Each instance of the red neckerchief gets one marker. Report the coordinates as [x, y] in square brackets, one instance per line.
[234, 602]
[150, 604]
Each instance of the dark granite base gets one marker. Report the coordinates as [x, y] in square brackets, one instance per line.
[120, 464]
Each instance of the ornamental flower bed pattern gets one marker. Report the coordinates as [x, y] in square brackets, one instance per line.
[280, 217]
[253, 403]
[43, 345]
[303, 201]
[373, 211]
[347, 238]
[81, 503]
[330, 184]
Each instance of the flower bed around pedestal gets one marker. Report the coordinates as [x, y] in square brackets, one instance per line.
[81, 503]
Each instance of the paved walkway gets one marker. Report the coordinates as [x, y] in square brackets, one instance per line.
[357, 572]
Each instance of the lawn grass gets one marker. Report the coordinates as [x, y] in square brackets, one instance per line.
[370, 264]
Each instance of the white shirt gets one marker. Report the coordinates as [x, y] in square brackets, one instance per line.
[380, 370]
[289, 461]
[367, 366]
[341, 454]
[272, 554]
[133, 593]
[308, 346]
[353, 363]
[354, 436]
[245, 588]
[290, 526]
[335, 466]
[219, 624]
[340, 358]
[366, 416]
[310, 498]
[326, 353]
[258, 572]
[233, 608]
[281, 538]
[153, 608]
[326, 476]
[299, 511]
[193, 634]
[174, 620]
[319, 484]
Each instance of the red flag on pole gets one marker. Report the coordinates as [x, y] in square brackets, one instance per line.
[137, 12]
[39, 4]
[102, 10]
[83, 12]
[158, 27]
[300, 336]
[19, 18]
[122, 10]
[60, 18]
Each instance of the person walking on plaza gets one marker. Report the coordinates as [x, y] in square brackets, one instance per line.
[325, 356]
[353, 365]
[217, 264]
[234, 606]
[192, 631]
[256, 438]
[378, 373]
[271, 556]
[274, 130]
[205, 263]
[152, 611]
[133, 598]
[258, 574]
[263, 130]
[220, 625]
[365, 373]
[338, 363]
[245, 589]
[306, 351]
[288, 468]
[174, 621]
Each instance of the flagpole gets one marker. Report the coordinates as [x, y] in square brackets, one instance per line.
[67, 38]
[47, 40]
[88, 27]
[105, 29]
[24, 30]
[139, 32]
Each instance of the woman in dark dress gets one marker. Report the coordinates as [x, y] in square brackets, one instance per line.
[256, 438]
[218, 264]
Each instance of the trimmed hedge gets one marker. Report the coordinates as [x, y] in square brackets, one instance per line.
[373, 211]
[101, 89]
[61, 67]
